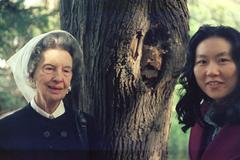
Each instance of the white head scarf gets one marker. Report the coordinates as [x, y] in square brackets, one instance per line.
[19, 65]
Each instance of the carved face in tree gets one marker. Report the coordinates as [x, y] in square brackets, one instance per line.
[150, 64]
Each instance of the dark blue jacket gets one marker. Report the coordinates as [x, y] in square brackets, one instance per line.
[28, 135]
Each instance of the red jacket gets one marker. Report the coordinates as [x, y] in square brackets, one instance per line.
[225, 145]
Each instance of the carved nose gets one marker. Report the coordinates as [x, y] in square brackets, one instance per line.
[149, 60]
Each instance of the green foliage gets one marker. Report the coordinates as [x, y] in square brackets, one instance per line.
[18, 24]
[178, 141]
[9, 95]
[221, 12]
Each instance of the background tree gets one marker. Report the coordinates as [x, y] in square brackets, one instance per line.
[133, 51]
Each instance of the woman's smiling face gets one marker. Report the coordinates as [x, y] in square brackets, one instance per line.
[53, 76]
[214, 70]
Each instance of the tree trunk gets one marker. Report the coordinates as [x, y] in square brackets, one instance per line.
[133, 52]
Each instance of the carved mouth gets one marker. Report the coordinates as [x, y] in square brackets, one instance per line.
[149, 81]
[149, 75]
[149, 67]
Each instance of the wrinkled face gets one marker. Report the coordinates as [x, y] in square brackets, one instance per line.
[214, 70]
[53, 75]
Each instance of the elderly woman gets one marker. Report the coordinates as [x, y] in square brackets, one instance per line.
[211, 104]
[49, 126]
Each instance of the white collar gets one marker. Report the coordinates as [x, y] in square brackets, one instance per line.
[58, 112]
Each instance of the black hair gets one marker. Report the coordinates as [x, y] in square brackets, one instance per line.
[188, 108]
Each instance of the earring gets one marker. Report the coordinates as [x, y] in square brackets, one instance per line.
[69, 88]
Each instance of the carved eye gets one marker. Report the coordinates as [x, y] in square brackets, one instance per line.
[151, 38]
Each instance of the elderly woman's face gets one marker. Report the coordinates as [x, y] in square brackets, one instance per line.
[214, 70]
[53, 75]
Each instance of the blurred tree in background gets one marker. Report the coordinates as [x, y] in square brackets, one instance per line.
[19, 22]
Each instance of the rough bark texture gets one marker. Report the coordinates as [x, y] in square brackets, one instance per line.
[133, 51]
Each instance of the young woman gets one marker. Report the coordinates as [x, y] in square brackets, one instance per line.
[210, 105]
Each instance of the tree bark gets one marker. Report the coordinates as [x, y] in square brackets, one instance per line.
[133, 52]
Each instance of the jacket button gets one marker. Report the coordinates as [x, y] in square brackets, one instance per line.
[63, 134]
[46, 134]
